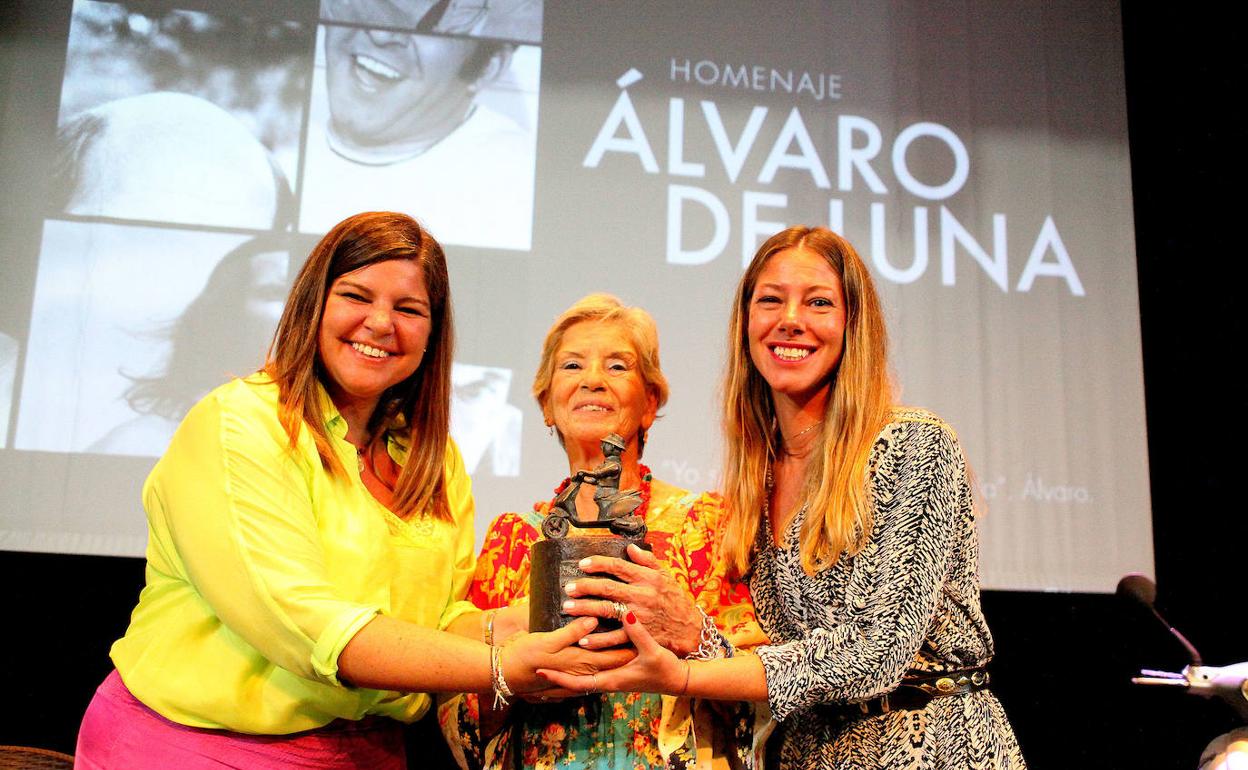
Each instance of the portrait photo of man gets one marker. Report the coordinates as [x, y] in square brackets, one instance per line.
[428, 107]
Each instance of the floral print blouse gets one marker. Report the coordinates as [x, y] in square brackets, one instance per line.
[634, 731]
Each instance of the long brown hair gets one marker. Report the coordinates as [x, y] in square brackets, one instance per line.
[862, 395]
[417, 411]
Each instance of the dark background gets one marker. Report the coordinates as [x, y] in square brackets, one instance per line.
[1063, 660]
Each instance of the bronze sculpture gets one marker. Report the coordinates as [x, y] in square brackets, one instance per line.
[555, 558]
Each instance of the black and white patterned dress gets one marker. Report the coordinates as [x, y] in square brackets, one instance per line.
[909, 601]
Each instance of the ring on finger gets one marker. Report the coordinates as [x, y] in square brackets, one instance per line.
[620, 609]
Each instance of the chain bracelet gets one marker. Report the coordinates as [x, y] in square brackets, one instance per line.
[711, 644]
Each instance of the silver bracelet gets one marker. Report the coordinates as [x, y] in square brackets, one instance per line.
[501, 691]
[712, 643]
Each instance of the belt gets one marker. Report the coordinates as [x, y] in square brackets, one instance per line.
[914, 693]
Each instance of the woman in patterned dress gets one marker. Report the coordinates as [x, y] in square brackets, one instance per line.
[600, 374]
[853, 519]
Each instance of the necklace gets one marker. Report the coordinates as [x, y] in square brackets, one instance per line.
[801, 432]
[643, 491]
[769, 484]
[804, 451]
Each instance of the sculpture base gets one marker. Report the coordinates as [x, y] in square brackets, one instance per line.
[553, 565]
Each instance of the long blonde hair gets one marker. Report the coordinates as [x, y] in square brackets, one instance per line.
[416, 411]
[835, 486]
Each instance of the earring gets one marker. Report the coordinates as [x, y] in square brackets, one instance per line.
[550, 430]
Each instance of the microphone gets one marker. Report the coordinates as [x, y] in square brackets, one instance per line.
[1230, 683]
[1139, 589]
[1136, 587]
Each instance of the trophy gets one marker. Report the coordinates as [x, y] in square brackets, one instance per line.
[554, 559]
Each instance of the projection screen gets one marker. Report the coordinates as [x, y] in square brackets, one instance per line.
[168, 165]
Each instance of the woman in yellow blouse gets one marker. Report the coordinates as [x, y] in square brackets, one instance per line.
[310, 541]
[600, 374]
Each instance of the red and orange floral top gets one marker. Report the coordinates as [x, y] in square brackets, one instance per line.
[613, 730]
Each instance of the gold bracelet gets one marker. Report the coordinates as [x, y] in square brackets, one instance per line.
[489, 626]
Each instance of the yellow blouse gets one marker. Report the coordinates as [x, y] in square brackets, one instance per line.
[261, 567]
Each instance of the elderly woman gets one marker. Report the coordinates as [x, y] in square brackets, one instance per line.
[853, 517]
[600, 374]
[310, 537]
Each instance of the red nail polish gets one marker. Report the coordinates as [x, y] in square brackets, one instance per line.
[631, 618]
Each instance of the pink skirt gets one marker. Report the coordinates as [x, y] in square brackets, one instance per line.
[118, 731]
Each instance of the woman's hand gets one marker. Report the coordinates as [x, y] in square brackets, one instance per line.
[648, 590]
[654, 669]
[556, 650]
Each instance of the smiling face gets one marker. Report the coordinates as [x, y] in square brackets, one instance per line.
[391, 89]
[373, 333]
[597, 389]
[796, 325]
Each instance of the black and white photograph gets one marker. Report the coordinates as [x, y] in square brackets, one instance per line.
[135, 325]
[442, 124]
[180, 116]
[486, 427]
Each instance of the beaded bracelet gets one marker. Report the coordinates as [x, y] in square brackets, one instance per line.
[501, 691]
[712, 644]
